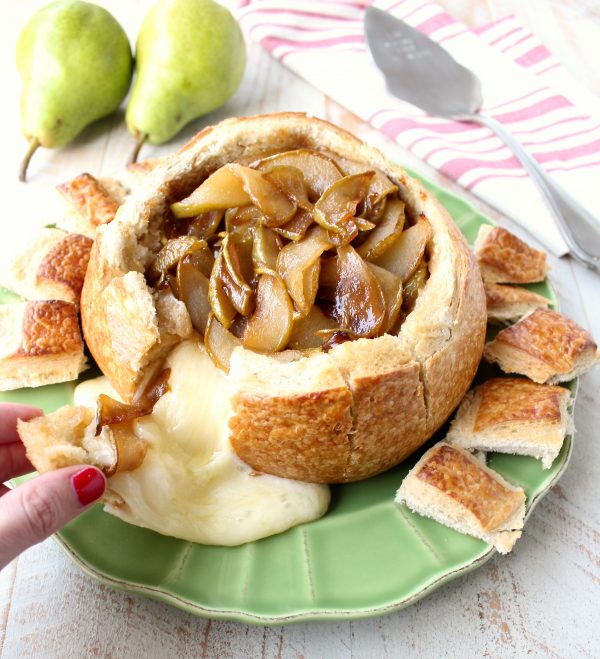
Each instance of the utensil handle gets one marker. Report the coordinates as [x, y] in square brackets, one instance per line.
[578, 227]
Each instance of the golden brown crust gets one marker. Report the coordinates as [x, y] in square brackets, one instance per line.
[507, 303]
[50, 328]
[51, 265]
[66, 263]
[454, 473]
[516, 399]
[40, 343]
[90, 199]
[544, 346]
[140, 170]
[504, 258]
[269, 432]
[442, 337]
[390, 420]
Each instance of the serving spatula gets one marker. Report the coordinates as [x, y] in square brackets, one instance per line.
[421, 72]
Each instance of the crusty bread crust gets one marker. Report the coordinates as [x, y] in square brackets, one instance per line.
[433, 360]
[513, 415]
[90, 202]
[40, 343]
[51, 267]
[454, 488]
[504, 258]
[506, 303]
[545, 346]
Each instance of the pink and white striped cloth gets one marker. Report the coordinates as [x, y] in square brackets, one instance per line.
[524, 86]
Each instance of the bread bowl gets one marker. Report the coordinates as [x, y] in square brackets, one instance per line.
[371, 402]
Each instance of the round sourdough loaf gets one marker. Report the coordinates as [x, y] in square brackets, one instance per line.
[339, 416]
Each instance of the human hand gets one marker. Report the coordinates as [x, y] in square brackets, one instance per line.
[42, 506]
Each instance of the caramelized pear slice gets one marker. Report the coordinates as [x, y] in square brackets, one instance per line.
[276, 207]
[236, 269]
[299, 263]
[380, 185]
[336, 208]
[222, 189]
[201, 258]
[241, 218]
[265, 248]
[328, 278]
[170, 254]
[319, 171]
[290, 181]
[405, 254]
[111, 412]
[297, 226]
[219, 343]
[413, 286]
[205, 225]
[219, 301]
[385, 233]
[359, 305]
[305, 330]
[234, 185]
[192, 287]
[270, 326]
[391, 287]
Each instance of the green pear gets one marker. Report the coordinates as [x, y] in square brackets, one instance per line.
[75, 64]
[190, 59]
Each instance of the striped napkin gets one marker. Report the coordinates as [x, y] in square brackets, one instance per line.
[524, 86]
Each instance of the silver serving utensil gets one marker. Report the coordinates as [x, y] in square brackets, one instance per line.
[421, 72]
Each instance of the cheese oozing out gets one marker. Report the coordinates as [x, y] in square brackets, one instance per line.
[191, 485]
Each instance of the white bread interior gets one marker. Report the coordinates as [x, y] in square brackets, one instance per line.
[507, 303]
[514, 432]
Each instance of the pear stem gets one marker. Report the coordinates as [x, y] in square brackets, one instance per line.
[141, 138]
[33, 145]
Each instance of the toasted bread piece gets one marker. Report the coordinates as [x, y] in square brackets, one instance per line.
[504, 258]
[452, 487]
[506, 304]
[545, 346]
[68, 437]
[139, 170]
[513, 415]
[90, 202]
[51, 267]
[40, 343]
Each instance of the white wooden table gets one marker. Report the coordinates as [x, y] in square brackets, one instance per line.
[542, 600]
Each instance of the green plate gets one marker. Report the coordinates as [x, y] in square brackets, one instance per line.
[366, 557]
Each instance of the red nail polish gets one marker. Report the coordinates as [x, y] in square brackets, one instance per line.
[89, 484]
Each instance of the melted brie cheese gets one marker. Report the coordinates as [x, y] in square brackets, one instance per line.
[191, 485]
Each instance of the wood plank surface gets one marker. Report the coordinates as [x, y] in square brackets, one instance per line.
[543, 600]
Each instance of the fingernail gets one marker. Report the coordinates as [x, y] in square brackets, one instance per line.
[89, 485]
